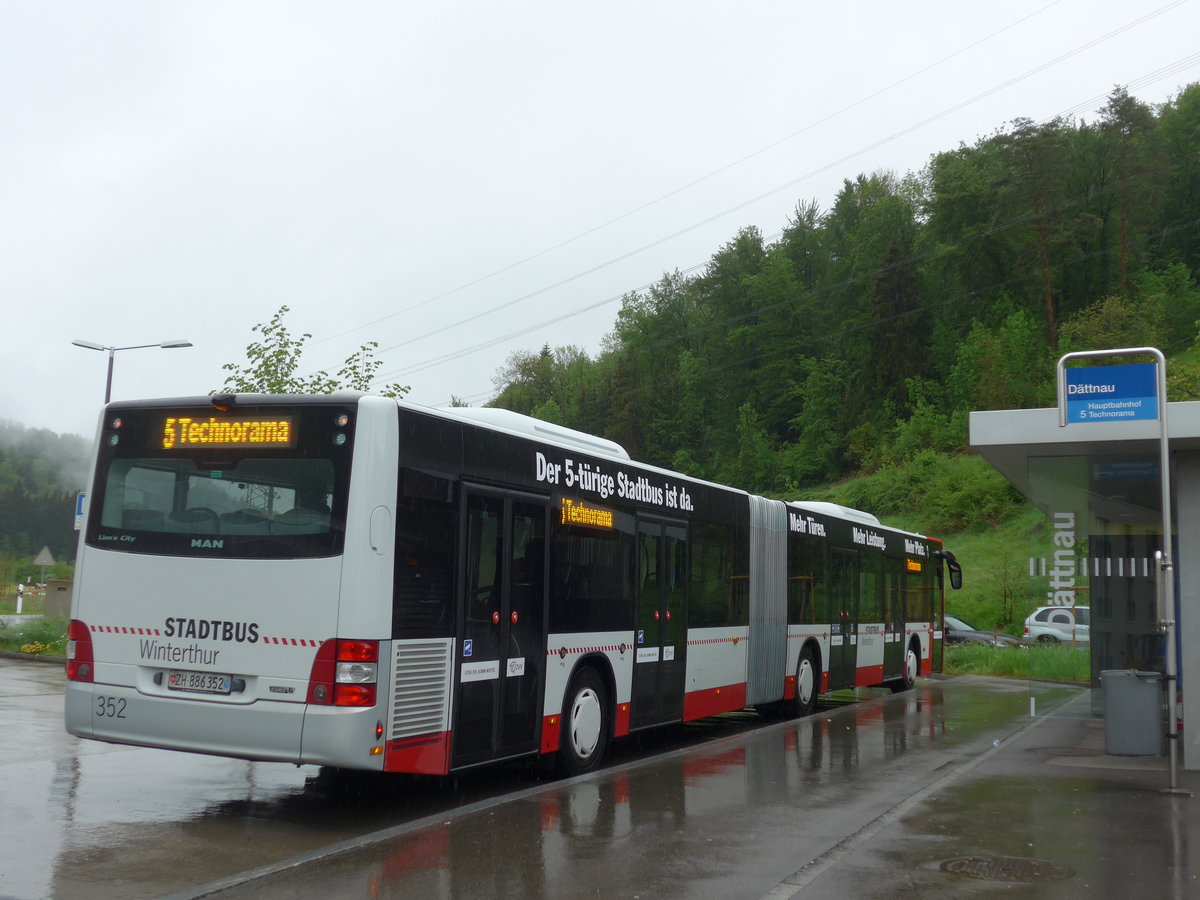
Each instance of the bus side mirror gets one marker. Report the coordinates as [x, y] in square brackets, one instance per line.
[955, 574]
[953, 568]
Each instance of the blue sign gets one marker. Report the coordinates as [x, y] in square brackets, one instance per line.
[468, 646]
[1112, 393]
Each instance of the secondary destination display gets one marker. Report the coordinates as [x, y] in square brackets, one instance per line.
[182, 431]
[576, 512]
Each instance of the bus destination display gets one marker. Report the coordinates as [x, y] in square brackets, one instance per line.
[576, 512]
[181, 432]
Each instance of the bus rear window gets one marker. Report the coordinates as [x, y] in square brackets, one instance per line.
[233, 500]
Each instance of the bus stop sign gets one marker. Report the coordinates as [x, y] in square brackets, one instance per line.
[1112, 393]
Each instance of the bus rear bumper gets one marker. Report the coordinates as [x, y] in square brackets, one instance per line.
[264, 730]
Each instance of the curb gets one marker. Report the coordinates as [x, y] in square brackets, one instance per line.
[33, 657]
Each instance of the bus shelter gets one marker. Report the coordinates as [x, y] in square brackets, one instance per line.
[1098, 491]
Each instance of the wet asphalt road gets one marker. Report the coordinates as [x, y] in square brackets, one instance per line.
[86, 819]
[725, 808]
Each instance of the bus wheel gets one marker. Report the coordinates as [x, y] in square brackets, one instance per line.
[912, 665]
[808, 683]
[585, 724]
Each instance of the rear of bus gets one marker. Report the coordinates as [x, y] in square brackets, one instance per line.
[232, 579]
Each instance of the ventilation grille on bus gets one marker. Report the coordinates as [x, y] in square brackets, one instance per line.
[421, 701]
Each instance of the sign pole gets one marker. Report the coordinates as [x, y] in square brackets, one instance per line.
[1163, 559]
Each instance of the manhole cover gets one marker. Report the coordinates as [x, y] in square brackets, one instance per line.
[1007, 868]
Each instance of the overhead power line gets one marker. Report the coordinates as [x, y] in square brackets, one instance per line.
[698, 181]
[475, 317]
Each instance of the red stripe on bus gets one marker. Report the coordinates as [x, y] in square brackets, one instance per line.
[575, 651]
[428, 754]
[621, 722]
[290, 642]
[551, 727]
[702, 704]
[126, 629]
[868, 676]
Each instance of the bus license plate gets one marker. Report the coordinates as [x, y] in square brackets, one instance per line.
[197, 682]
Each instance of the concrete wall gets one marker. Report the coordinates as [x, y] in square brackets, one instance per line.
[58, 598]
[1187, 564]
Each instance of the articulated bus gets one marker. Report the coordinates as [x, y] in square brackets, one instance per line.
[361, 582]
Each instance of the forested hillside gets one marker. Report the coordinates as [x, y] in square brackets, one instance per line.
[858, 338]
[40, 471]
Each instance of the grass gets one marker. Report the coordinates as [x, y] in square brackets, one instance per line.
[31, 605]
[43, 637]
[1041, 663]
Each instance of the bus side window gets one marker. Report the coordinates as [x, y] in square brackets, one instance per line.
[426, 534]
[591, 579]
[808, 595]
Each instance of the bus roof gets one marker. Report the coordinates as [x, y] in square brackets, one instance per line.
[536, 428]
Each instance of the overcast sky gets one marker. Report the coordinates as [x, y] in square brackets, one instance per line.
[460, 180]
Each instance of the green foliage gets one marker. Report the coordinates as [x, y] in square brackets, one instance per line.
[1008, 366]
[1172, 292]
[953, 493]
[36, 635]
[40, 471]
[1115, 321]
[861, 339]
[1042, 663]
[273, 366]
[755, 462]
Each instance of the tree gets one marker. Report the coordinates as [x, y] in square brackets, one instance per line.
[753, 465]
[1007, 366]
[1179, 128]
[39, 474]
[1116, 321]
[1035, 193]
[899, 332]
[274, 363]
[1172, 290]
[1131, 124]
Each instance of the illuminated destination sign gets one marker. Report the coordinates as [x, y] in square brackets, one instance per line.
[913, 565]
[182, 431]
[576, 512]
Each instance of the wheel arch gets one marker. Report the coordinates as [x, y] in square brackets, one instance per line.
[602, 665]
[814, 646]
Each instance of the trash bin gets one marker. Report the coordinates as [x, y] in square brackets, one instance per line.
[1133, 713]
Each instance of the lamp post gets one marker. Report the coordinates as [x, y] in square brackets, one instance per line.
[88, 345]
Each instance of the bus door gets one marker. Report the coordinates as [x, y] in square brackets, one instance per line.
[501, 616]
[893, 618]
[661, 637]
[844, 596]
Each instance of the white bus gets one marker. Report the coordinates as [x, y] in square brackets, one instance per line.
[361, 582]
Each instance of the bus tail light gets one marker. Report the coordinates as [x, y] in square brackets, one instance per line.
[344, 673]
[80, 660]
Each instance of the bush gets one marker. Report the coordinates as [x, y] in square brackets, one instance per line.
[954, 493]
[38, 636]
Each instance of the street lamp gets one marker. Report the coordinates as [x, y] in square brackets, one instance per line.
[88, 345]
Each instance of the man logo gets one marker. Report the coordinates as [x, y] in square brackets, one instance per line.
[207, 544]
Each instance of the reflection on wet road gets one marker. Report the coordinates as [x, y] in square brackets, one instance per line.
[95, 820]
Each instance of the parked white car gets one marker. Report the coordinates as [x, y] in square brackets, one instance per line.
[1059, 625]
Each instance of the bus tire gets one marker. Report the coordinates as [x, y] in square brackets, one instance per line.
[908, 675]
[585, 724]
[808, 683]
